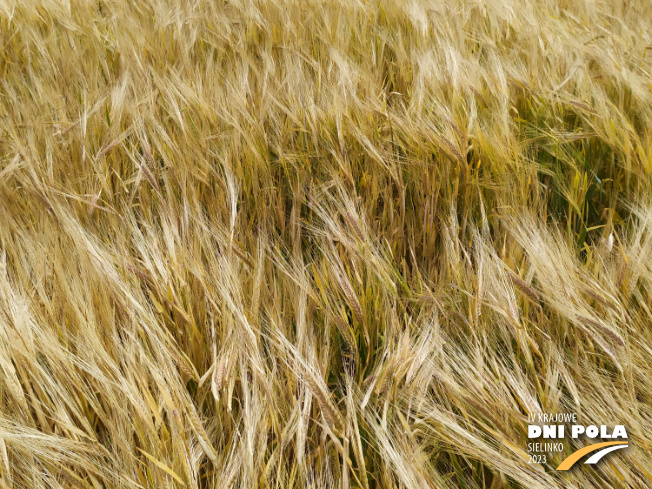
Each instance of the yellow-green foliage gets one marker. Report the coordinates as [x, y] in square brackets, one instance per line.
[319, 244]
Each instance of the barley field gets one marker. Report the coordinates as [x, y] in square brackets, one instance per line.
[323, 244]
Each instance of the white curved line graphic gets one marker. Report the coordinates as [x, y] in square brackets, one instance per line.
[597, 456]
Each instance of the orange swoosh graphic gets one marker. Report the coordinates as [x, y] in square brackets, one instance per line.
[575, 456]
